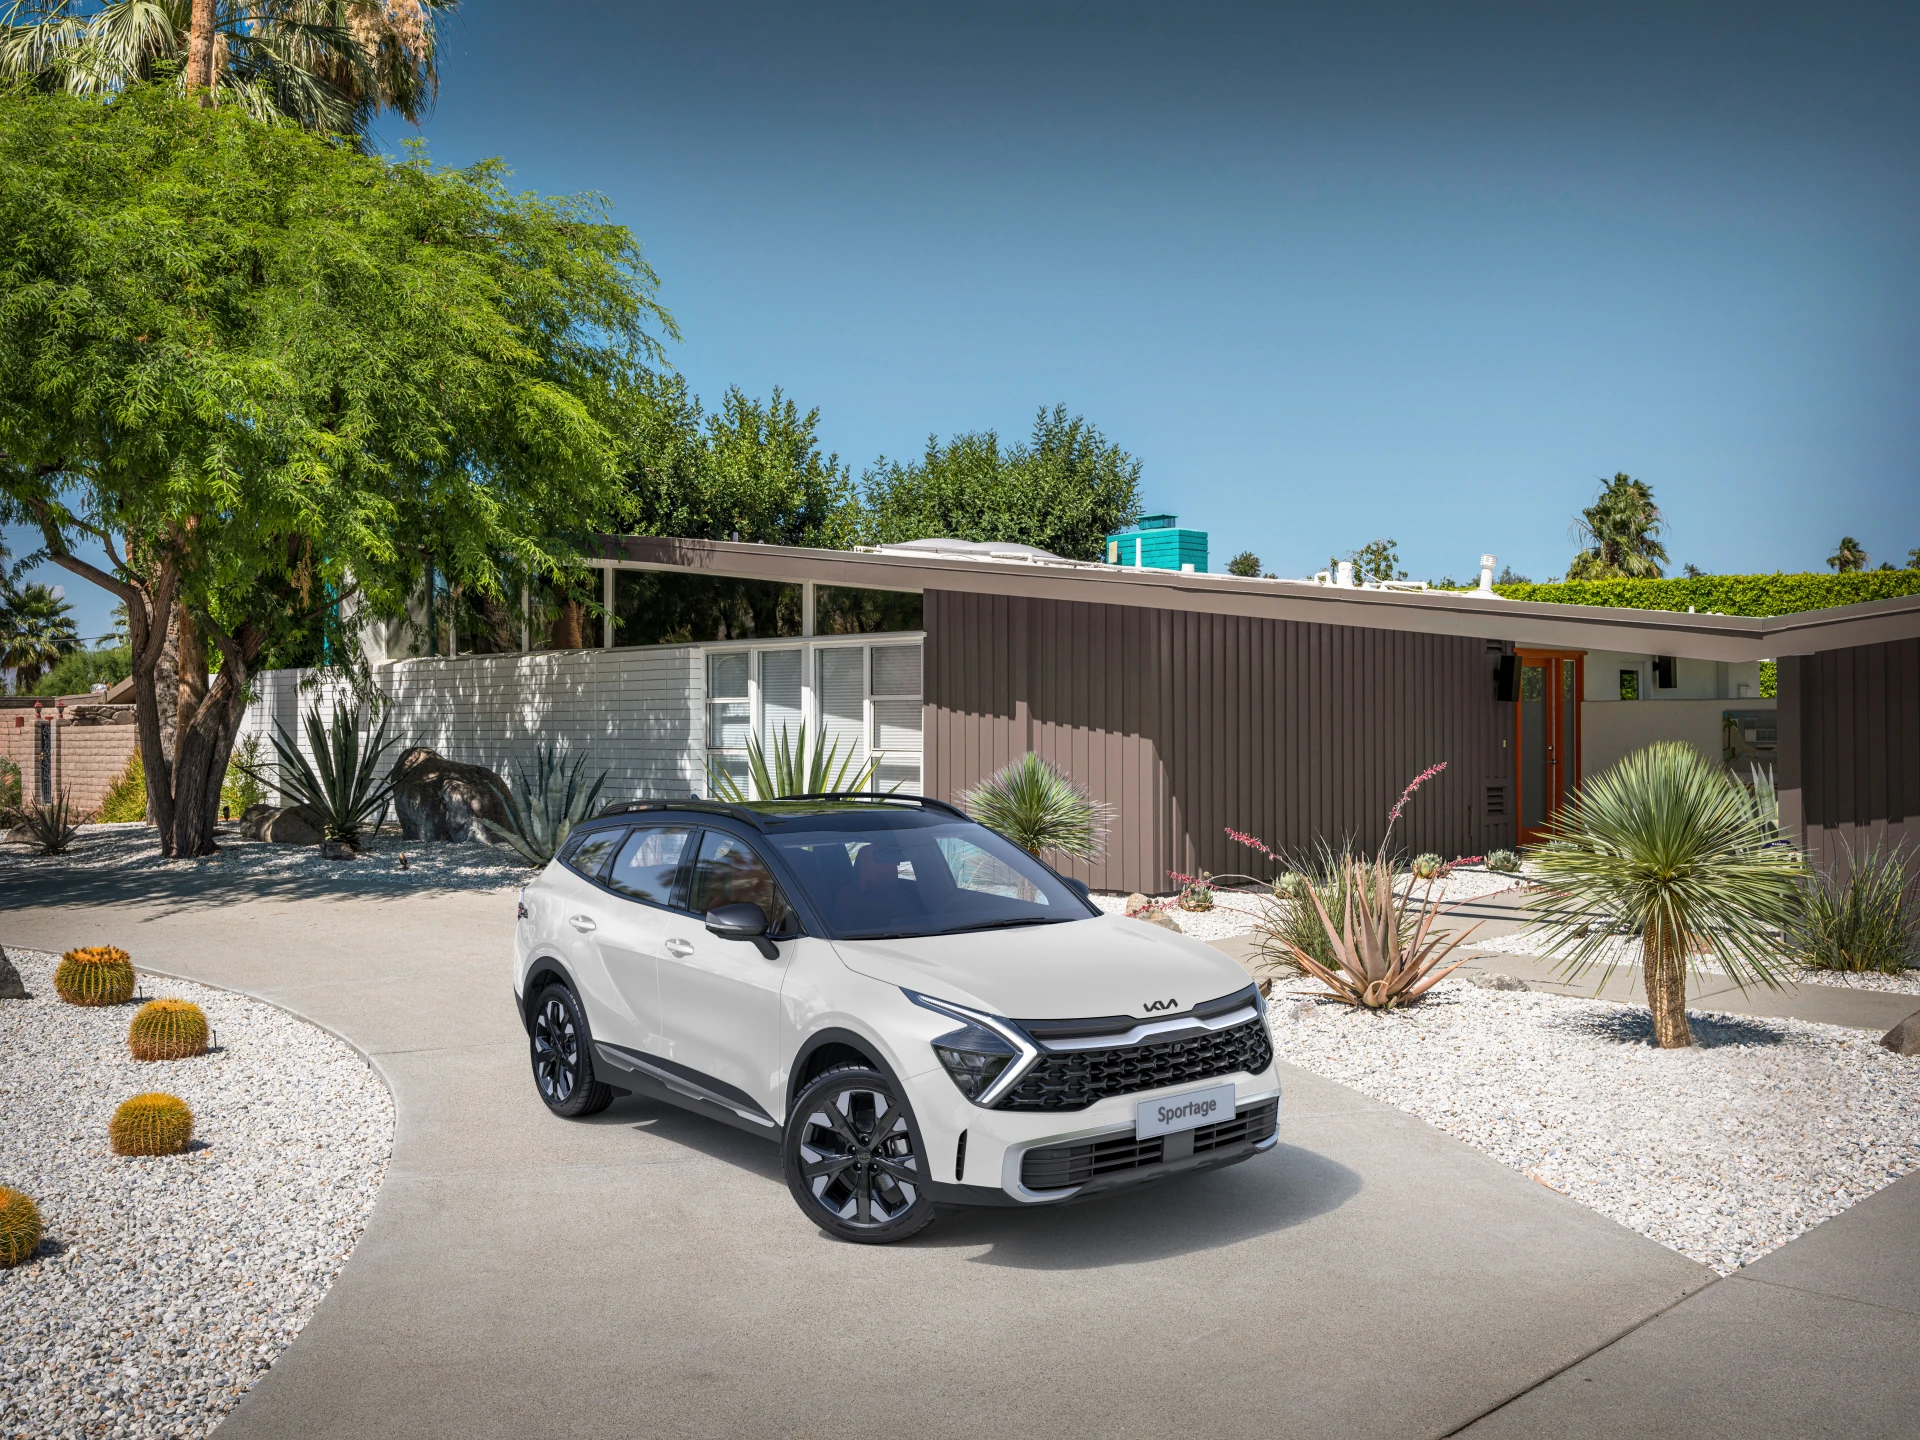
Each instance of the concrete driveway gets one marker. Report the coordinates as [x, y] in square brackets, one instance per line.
[646, 1273]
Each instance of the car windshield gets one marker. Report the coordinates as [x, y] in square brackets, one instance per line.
[925, 877]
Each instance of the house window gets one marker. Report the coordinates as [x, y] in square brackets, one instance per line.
[673, 607]
[843, 610]
[729, 713]
[1629, 684]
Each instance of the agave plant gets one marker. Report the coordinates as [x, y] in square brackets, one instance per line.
[1038, 808]
[1384, 954]
[51, 827]
[1666, 846]
[342, 784]
[1859, 918]
[552, 800]
[795, 768]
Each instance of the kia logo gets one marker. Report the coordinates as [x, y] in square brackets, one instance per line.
[1153, 1005]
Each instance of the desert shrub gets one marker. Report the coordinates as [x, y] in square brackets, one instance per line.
[151, 1124]
[1502, 862]
[549, 803]
[10, 792]
[51, 828]
[126, 797]
[1860, 918]
[1384, 955]
[342, 784]
[794, 768]
[243, 789]
[1038, 808]
[168, 1030]
[19, 1227]
[1425, 867]
[94, 975]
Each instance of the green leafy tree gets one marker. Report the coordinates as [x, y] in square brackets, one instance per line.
[78, 672]
[751, 469]
[1245, 563]
[1622, 529]
[271, 376]
[1913, 558]
[1065, 490]
[1848, 556]
[36, 633]
[329, 65]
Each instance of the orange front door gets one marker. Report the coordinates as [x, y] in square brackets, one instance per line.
[1546, 737]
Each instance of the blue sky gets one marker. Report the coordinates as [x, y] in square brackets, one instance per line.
[1404, 270]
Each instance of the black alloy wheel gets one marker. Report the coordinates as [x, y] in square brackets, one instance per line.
[852, 1158]
[563, 1058]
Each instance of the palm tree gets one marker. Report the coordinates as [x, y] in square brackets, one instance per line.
[36, 631]
[1848, 555]
[1620, 527]
[1666, 846]
[328, 65]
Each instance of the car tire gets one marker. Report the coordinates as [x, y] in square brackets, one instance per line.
[562, 1053]
[852, 1157]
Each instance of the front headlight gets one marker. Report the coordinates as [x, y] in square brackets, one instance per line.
[986, 1056]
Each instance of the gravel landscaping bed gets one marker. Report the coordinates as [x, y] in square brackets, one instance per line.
[166, 1286]
[1627, 952]
[438, 865]
[1722, 1152]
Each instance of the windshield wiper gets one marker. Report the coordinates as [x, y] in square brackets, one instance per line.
[1005, 924]
[957, 930]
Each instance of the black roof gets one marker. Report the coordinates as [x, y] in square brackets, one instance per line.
[765, 814]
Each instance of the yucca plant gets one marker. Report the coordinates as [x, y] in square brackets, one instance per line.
[552, 800]
[51, 828]
[342, 784]
[1038, 808]
[1858, 918]
[795, 768]
[1384, 954]
[1665, 846]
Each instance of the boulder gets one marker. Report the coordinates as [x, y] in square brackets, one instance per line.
[441, 799]
[1139, 907]
[281, 825]
[12, 987]
[1904, 1038]
[338, 850]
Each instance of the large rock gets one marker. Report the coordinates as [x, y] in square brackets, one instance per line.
[281, 825]
[12, 987]
[1139, 907]
[442, 799]
[1904, 1038]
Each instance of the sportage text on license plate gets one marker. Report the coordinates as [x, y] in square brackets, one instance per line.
[1182, 1112]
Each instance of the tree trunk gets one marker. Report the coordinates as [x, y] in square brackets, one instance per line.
[200, 38]
[166, 685]
[200, 770]
[1664, 973]
[191, 648]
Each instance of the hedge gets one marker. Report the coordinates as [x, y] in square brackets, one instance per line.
[1727, 594]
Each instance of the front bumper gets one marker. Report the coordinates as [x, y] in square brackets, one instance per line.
[1053, 1157]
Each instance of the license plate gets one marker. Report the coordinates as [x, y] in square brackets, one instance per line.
[1183, 1112]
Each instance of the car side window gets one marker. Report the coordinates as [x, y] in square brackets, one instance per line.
[730, 873]
[648, 865]
[589, 856]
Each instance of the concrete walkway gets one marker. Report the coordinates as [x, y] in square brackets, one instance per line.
[645, 1272]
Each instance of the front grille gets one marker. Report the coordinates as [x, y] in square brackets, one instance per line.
[1058, 1166]
[1074, 1079]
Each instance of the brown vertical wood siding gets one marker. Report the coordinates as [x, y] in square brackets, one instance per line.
[1850, 748]
[1189, 723]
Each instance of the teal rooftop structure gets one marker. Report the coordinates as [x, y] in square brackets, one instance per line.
[1157, 542]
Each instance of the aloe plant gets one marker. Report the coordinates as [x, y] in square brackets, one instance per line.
[342, 784]
[552, 800]
[51, 827]
[1383, 957]
[795, 768]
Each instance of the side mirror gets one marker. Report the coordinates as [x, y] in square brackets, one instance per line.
[742, 922]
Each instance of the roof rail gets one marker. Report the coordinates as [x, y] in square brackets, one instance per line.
[705, 807]
[925, 801]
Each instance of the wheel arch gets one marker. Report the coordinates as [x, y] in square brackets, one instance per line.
[545, 970]
[836, 1046]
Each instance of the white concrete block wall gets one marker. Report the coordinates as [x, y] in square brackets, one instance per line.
[634, 713]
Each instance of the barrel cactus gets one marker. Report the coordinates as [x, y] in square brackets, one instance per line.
[167, 1030]
[1425, 867]
[19, 1228]
[95, 975]
[152, 1124]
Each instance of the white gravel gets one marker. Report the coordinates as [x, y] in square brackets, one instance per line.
[1627, 952]
[1238, 912]
[437, 865]
[1722, 1151]
[166, 1286]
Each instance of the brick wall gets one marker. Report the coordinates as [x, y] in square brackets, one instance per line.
[83, 759]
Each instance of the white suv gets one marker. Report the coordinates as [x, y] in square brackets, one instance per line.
[918, 1011]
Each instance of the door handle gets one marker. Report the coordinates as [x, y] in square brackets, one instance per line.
[582, 923]
[679, 949]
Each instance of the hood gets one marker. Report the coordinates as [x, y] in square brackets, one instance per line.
[1108, 965]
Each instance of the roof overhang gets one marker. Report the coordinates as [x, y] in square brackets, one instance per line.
[1567, 627]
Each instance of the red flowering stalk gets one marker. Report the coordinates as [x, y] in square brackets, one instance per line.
[1252, 842]
[1400, 805]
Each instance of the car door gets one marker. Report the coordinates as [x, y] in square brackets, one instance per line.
[645, 877]
[722, 997]
[574, 928]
